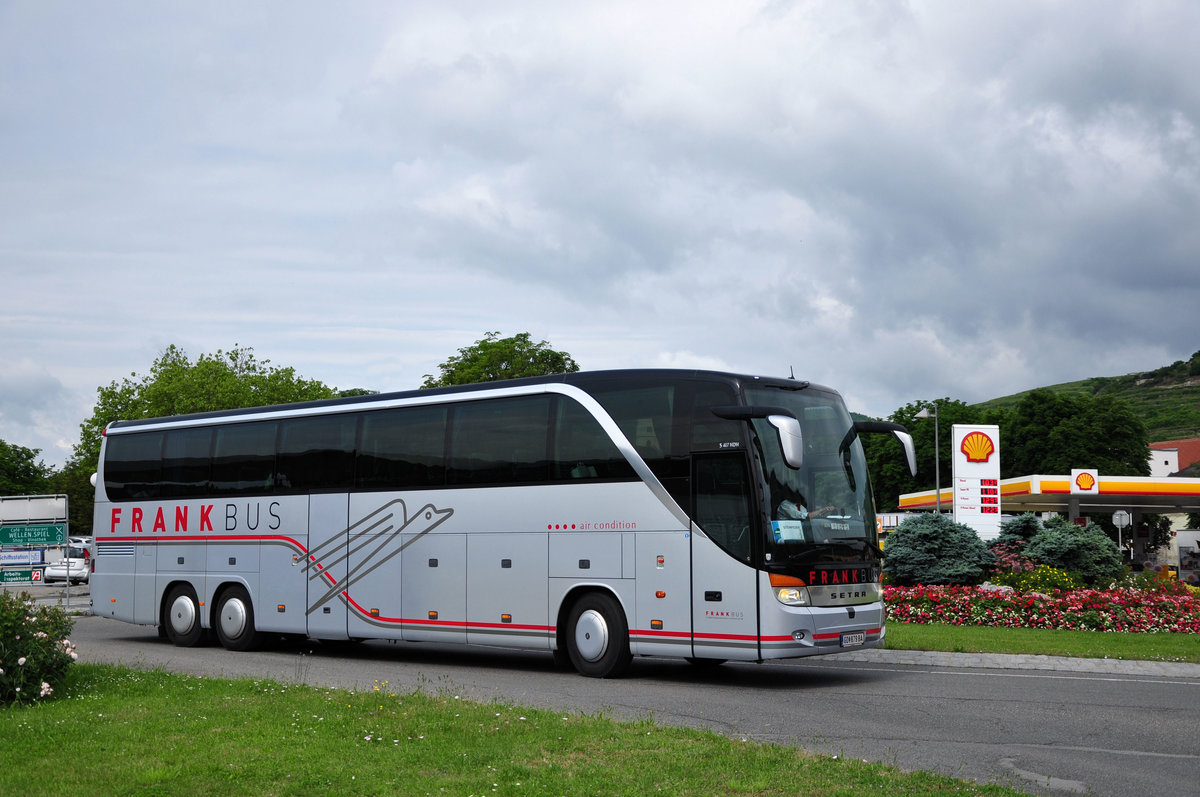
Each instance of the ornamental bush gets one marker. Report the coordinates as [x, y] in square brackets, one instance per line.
[1045, 579]
[933, 549]
[35, 652]
[1011, 564]
[1086, 551]
[1017, 531]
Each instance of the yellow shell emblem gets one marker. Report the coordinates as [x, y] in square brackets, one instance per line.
[978, 447]
[1085, 481]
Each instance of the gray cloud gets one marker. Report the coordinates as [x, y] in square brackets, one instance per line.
[900, 201]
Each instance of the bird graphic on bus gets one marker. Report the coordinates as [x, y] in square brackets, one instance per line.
[382, 529]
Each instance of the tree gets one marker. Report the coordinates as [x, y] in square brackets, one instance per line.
[494, 358]
[20, 471]
[1053, 433]
[933, 549]
[174, 386]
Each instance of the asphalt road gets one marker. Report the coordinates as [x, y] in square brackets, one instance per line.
[1045, 731]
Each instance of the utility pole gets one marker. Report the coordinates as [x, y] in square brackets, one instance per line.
[937, 465]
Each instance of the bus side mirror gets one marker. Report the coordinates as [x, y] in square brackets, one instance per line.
[910, 451]
[886, 427]
[791, 439]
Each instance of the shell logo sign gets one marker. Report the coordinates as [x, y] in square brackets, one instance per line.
[1085, 481]
[977, 447]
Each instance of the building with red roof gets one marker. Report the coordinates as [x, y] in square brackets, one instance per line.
[1171, 456]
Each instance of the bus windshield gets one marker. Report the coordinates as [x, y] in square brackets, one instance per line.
[823, 509]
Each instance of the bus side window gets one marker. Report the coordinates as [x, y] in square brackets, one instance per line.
[582, 449]
[133, 466]
[500, 441]
[722, 501]
[316, 454]
[401, 449]
[244, 459]
[187, 462]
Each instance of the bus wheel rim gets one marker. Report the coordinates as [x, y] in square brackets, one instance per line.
[183, 614]
[591, 635]
[233, 618]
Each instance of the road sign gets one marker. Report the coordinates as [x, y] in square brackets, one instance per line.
[16, 576]
[38, 534]
[1120, 518]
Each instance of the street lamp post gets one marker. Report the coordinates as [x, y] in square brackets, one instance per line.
[937, 465]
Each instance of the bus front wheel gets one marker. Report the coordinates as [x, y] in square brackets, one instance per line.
[598, 636]
[235, 620]
[181, 622]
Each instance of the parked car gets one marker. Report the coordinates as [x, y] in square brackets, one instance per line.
[76, 569]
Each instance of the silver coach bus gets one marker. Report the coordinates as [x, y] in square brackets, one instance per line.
[596, 515]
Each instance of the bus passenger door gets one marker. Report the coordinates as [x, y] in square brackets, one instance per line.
[724, 585]
[328, 518]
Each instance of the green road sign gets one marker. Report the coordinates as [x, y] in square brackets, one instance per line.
[16, 576]
[44, 534]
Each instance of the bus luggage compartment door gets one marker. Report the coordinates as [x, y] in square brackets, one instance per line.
[506, 593]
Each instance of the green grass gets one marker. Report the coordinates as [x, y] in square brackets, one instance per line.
[1048, 642]
[114, 730]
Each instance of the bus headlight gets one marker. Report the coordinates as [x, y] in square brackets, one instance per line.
[789, 590]
[792, 596]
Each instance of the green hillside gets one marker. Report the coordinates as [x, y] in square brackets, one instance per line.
[1168, 399]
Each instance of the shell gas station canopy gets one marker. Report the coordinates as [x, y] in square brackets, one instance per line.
[1138, 494]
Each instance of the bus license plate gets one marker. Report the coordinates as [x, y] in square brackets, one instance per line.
[852, 640]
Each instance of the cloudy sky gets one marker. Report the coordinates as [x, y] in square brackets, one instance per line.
[901, 200]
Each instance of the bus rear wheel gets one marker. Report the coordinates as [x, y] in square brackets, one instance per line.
[235, 620]
[181, 619]
[598, 636]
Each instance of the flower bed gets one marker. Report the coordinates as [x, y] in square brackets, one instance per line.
[1078, 610]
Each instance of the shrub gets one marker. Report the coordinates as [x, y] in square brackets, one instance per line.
[933, 549]
[35, 652]
[1086, 550]
[1017, 531]
[1011, 564]
[1045, 579]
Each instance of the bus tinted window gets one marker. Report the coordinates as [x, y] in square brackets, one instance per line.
[187, 462]
[644, 415]
[708, 431]
[402, 448]
[582, 449]
[316, 454]
[723, 502]
[133, 466]
[244, 459]
[500, 441]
